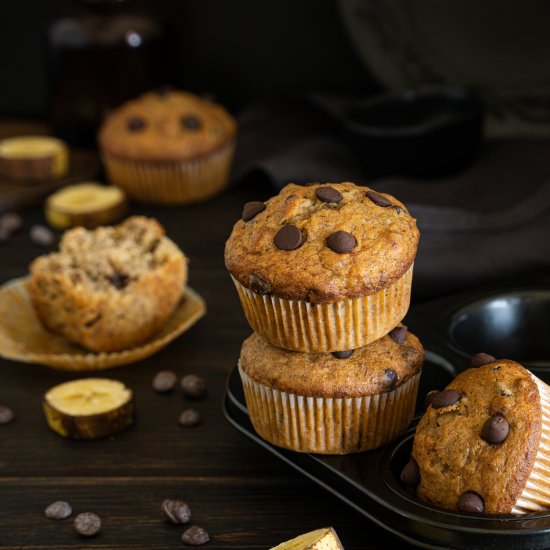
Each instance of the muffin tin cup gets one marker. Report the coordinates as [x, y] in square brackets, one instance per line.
[172, 182]
[343, 325]
[337, 425]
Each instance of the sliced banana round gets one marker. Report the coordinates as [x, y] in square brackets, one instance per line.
[88, 204]
[321, 539]
[89, 408]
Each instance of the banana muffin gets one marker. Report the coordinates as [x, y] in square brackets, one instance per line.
[483, 444]
[323, 267]
[109, 289]
[332, 403]
[168, 147]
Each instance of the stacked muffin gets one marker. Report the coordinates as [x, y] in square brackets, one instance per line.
[324, 274]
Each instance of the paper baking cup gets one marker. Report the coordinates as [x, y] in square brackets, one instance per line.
[24, 338]
[347, 324]
[171, 182]
[536, 493]
[337, 425]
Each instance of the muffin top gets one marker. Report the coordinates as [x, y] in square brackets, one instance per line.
[373, 369]
[322, 243]
[166, 126]
[476, 444]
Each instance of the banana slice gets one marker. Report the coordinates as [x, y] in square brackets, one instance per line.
[89, 408]
[321, 539]
[88, 204]
[34, 157]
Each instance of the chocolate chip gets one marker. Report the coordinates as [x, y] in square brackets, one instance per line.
[445, 398]
[6, 415]
[164, 91]
[480, 359]
[398, 210]
[378, 199]
[191, 122]
[410, 475]
[118, 280]
[41, 235]
[341, 242]
[259, 285]
[495, 430]
[328, 194]
[164, 381]
[193, 386]
[389, 379]
[195, 536]
[398, 335]
[252, 209]
[58, 510]
[190, 418]
[289, 237]
[176, 511]
[470, 502]
[87, 524]
[136, 123]
[429, 398]
[343, 354]
[311, 183]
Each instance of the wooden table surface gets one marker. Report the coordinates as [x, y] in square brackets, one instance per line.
[237, 490]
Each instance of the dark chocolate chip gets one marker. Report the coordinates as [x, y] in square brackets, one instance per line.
[6, 415]
[410, 475]
[289, 237]
[136, 123]
[470, 502]
[343, 354]
[429, 398]
[398, 335]
[87, 524]
[445, 398]
[118, 280]
[189, 418]
[311, 183]
[252, 209]
[164, 381]
[259, 285]
[480, 359]
[58, 510]
[176, 511]
[193, 386]
[328, 194]
[378, 199]
[341, 242]
[495, 430]
[389, 379]
[191, 122]
[41, 235]
[195, 536]
[398, 210]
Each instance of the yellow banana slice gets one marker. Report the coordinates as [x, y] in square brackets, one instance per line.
[89, 408]
[88, 204]
[321, 539]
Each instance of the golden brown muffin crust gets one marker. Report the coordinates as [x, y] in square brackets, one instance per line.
[379, 367]
[454, 459]
[387, 239]
[177, 126]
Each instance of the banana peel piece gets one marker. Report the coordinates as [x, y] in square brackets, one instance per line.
[321, 539]
[89, 408]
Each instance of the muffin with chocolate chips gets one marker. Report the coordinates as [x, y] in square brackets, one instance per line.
[482, 445]
[168, 147]
[111, 288]
[332, 403]
[323, 267]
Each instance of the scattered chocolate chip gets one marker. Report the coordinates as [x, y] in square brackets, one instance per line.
[410, 475]
[311, 183]
[480, 359]
[429, 398]
[259, 285]
[11, 222]
[176, 511]
[41, 235]
[398, 210]
[343, 354]
[495, 430]
[289, 237]
[252, 209]
[58, 510]
[398, 335]
[389, 379]
[118, 280]
[135, 124]
[470, 502]
[190, 418]
[328, 194]
[378, 199]
[164, 381]
[341, 242]
[445, 398]
[193, 386]
[6, 415]
[191, 122]
[195, 536]
[87, 524]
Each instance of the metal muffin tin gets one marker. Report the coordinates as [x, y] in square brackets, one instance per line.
[510, 321]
